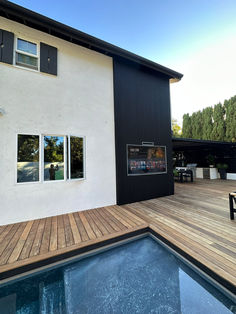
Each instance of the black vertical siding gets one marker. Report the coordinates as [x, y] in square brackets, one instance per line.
[6, 46]
[142, 113]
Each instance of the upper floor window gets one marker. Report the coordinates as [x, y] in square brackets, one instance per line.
[26, 54]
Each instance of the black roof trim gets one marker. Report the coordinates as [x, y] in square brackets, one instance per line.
[192, 140]
[32, 19]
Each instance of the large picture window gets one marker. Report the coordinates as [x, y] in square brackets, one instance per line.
[144, 160]
[60, 158]
[27, 158]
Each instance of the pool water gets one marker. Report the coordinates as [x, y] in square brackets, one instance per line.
[137, 277]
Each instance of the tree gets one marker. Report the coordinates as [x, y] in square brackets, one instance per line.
[218, 123]
[196, 120]
[176, 129]
[207, 123]
[218, 131]
[187, 126]
[230, 121]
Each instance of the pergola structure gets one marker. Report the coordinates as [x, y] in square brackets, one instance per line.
[189, 151]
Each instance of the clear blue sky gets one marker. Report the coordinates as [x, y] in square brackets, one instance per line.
[194, 37]
[165, 31]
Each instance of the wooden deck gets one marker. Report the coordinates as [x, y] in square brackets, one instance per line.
[30, 243]
[195, 220]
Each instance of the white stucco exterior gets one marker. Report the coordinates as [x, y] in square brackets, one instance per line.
[78, 101]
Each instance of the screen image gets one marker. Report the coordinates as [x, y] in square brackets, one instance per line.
[146, 159]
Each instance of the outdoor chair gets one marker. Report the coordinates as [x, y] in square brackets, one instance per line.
[188, 174]
[232, 200]
[183, 175]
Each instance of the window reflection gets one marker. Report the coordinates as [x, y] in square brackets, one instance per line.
[28, 158]
[76, 157]
[26, 46]
[53, 158]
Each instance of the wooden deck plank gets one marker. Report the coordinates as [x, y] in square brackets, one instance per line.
[19, 246]
[8, 234]
[114, 219]
[53, 235]
[61, 239]
[80, 226]
[68, 232]
[44, 247]
[38, 238]
[2, 228]
[103, 222]
[98, 223]
[96, 230]
[11, 245]
[87, 227]
[29, 241]
[75, 231]
[118, 216]
[125, 215]
[109, 220]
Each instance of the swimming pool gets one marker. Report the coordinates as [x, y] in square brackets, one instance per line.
[137, 277]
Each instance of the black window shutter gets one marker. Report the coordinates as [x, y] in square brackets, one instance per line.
[6, 46]
[48, 59]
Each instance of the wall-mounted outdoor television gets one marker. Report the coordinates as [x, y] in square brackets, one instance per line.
[145, 160]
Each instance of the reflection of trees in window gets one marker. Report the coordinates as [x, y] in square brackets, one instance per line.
[76, 155]
[53, 158]
[28, 148]
[53, 149]
[28, 158]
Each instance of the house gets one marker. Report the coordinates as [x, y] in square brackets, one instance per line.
[83, 123]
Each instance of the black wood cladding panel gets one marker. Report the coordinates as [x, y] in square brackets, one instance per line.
[142, 113]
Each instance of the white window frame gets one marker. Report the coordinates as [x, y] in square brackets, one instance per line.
[41, 158]
[27, 53]
[16, 174]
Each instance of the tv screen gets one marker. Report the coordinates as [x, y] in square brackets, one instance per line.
[143, 160]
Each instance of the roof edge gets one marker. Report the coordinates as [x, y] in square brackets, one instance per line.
[35, 20]
[192, 140]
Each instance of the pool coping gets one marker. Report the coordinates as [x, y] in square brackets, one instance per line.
[86, 247]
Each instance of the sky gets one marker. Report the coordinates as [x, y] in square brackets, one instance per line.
[195, 38]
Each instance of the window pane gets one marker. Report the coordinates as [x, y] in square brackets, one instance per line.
[53, 158]
[76, 157]
[28, 158]
[27, 61]
[26, 46]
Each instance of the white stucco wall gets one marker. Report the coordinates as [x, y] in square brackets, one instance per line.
[78, 101]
